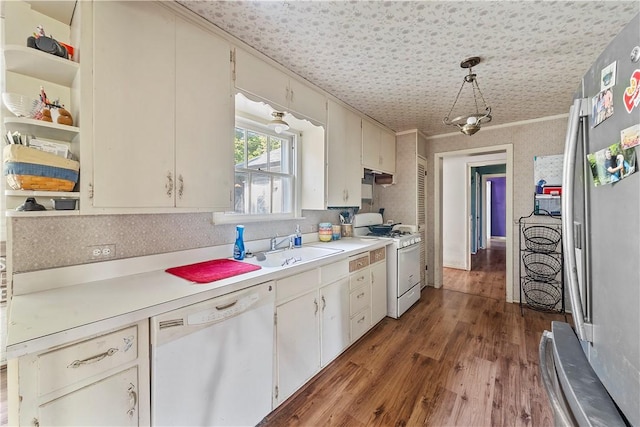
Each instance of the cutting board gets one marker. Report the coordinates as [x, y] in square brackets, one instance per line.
[210, 271]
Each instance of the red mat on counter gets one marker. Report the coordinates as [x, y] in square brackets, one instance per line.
[210, 271]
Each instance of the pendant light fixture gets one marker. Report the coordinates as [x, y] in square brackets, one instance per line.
[278, 124]
[471, 123]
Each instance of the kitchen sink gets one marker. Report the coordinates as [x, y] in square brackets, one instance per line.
[289, 257]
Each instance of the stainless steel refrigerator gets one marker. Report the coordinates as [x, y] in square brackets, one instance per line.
[591, 369]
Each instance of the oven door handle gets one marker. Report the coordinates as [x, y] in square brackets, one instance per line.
[407, 249]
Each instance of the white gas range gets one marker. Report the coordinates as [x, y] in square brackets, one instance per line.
[403, 259]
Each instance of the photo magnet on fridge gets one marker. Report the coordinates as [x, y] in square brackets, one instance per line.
[608, 76]
[602, 107]
[612, 164]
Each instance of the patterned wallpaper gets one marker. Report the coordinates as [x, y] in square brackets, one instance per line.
[399, 61]
[399, 200]
[49, 242]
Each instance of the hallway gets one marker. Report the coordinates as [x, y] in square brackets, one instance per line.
[487, 277]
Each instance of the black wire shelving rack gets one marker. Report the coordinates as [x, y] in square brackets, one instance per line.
[541, 267]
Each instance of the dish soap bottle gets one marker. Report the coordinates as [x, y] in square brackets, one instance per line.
[238, 247]
[297, 240]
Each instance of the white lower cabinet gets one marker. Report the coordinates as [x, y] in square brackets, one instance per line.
[334, 320]
[312, 325]
[297, 344]
[359, 295]
[110, 401]
[378, 270]
[100, 381]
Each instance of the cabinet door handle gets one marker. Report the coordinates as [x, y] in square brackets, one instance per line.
[93, 359]
[291, 100]
[180, 186]
[169, 185]
[315, 301]
[324, 303]
[133, 400]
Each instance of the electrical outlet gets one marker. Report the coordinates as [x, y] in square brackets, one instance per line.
[101, 252]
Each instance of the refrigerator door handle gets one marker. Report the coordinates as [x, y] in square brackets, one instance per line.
[546, 369]
[568, 240]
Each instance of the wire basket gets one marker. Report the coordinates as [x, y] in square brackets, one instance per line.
[541, 238]
[541, 295]
[541, 266]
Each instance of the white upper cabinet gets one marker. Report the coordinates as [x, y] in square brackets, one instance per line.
[257, 77]
[344, 169]
[133, 105]
[204, 119]
[378, 148]
[163, 115]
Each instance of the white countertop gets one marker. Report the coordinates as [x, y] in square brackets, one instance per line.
[94, 298]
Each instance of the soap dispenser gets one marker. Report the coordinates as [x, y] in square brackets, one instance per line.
[297, 240]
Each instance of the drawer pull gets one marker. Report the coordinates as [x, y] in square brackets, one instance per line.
[133, 400]
[93, 359]
[360, 295]
[361, 320]
[360, 279]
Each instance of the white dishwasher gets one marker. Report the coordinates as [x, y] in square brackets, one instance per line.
[212, 362]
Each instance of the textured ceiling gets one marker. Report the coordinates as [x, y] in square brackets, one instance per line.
[399, 61]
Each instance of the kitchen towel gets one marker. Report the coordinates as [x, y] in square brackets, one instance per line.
[210, 271]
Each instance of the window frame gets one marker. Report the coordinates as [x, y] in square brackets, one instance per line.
[294, 137]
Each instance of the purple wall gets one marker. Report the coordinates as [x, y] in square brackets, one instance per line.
[498, 206]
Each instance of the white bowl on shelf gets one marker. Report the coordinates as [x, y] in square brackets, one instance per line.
[20, 105]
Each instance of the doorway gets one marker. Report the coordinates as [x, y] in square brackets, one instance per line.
[439, 217]
[494, 208]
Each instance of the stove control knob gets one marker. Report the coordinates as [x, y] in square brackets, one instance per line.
[418, 239]
[405, 243]
[413, 241]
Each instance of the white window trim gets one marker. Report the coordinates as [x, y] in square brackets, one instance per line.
[296, 214]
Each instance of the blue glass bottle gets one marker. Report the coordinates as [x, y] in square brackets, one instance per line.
[238, 247]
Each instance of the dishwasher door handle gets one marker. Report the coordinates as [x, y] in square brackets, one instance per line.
[225, 306]
[226, 310]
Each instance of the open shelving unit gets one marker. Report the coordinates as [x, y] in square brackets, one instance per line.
[47, 68]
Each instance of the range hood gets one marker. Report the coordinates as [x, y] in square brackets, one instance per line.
[380, 178]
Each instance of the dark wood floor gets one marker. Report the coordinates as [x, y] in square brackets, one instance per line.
[454, 359]
[3, 397]
[487, 276]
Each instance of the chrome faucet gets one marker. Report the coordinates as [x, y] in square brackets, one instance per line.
[275, 244]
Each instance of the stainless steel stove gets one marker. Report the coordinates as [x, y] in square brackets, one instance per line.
[403, 259]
